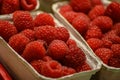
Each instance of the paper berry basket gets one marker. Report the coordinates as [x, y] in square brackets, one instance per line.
[106, 72]
[20, 69]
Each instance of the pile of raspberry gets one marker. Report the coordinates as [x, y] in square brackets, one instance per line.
[99, 25]
[46, 46]
[9, 6]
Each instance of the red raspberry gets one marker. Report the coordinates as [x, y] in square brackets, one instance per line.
[36, 64]
[75, 57]
[113, 11]
[62, 33]
[44, 19]
[70, 16]
[103, 22]
[29, 34]
[81, 23]
[18, 42]
[70, 43]
[33, 51]
[9, 6]
[117, 28]
[98, 10]
[95, 43]
[65, 8]
[107, 43]
[47, 58]
[80, 5]
[93, 32]
[104, 54]
[23, 20]
[83, 67]
[112, 36]
[67, 71]
[7, 30]
[28, 4]
[96, 2]
[57, 49]
[116, 49]
[51, 69]
[114, 62]
[46, 33]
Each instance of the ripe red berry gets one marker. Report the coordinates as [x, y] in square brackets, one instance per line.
[98, 10]
[83, 67]
[114, 62]
[80, 5]
[70, 43]
[116, 49]
[46, 33]
[81, 23]
[104, 54]
[113, 11]
[18, 42]
[33, 51]
[96, 2]
[103, 22]
[51, 69]
[28, 4]
[29, 34]
[62, 33]
[47, 58]
[9, 6]
[57, 49]
[107, 43]
[23, 20]
[93, 32]
[95, 43]
[7, 30]
[65, 8]
[44, 19]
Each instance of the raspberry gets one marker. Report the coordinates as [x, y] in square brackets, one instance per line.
[114, 62]
[28, 4]
[81, 23]
[65, 8]
[116, 49]
[107, 43]
[95, 43]
[98, 10]
[70, 43]
[113, 11]
[70, 16]
[67, 71]
[93, 32]
[29, 34]
[47, 58]
[96, 2]
[18, 42]
[80, 5]
[9, 6]
[36, 64]
[104, 54]
[112, 36]
[44, 19]
[23, 20]
[75, 57]
[83, 67]
[57, 49]
[103, 22]
[51, 69]
[7, 30]
[46, 33]
[62, 34]
[117, 28]
[33, 51]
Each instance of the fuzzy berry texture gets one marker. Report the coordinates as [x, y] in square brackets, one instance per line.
[23, 20]
[33, 51]
[114, 62]
[18, 42]
[80, 5]
[96, 2]
[58, 49]
[44, 19]
[28, 4]
[7, 30]
[104, 54]
[9, 6]
[116, 49]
